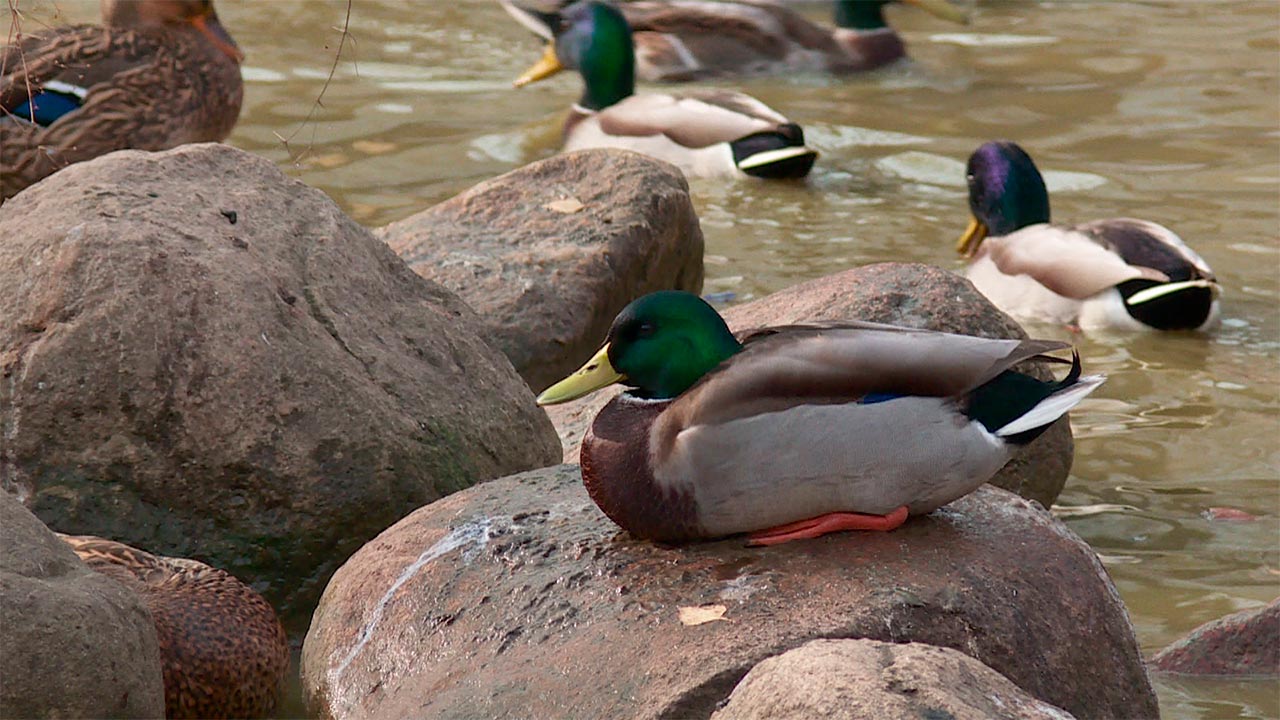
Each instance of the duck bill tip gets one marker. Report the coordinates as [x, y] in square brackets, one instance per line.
[549, 64]
[972, 238]
[211, 28]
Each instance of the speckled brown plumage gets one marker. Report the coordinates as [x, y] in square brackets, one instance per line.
[745, 39]
[150, 87]
[224, 651]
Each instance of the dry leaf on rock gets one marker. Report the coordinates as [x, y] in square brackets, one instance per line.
[568, 206]
[702, 614]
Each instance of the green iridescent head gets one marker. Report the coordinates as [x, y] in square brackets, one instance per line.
[660, 345]
[594, 39]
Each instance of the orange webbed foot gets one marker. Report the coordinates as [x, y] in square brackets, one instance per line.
[829, 523]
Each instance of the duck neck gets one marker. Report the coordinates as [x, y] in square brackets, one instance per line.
[608, 65]
[860, 15]
[602, 89]
[1023, 203]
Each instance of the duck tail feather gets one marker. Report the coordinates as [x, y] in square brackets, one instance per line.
[1071, 390]
[776, 153]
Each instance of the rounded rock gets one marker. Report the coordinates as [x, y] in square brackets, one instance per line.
[76, 644]
[519, 598]
[547, 254]
[206, 358]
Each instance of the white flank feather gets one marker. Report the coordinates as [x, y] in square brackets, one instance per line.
[66, 88]
[1053, 407]
[769, 157]
[1159, 291]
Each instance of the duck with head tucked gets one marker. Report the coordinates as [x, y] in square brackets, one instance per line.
[155, 75]
[1118, 274]
[797, 431]
[223, 651]
[682, 40]
[705, 133]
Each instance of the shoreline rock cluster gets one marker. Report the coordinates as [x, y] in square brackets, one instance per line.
[207, 359]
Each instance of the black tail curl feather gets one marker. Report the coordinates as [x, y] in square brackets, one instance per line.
[1011, 395]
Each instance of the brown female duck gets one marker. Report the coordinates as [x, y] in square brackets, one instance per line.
[683, 40]
[155, 75]
[797, 431]
[224, 652]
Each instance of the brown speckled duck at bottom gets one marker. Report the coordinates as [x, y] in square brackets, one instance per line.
[157, 74]
[224, 651]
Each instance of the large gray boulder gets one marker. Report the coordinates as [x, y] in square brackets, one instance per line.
[872, 680]
[907, 294]
[76, 644]
[549, 253]
[208, 359]
[519, 598]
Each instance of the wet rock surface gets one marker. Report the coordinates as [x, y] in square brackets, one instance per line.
[518, 598]
[208, 359]
[549, 253]
[871, 680]
[1243, 643]
[907, 294]
[66, 627]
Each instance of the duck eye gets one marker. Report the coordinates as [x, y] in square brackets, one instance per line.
[645, 329]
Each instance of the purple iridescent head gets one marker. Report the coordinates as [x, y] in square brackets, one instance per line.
[1006, 191]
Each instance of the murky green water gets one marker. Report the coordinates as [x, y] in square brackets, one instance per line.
[1160, 110]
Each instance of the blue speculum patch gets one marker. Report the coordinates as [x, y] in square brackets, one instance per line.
[47, 107]
[872, 398]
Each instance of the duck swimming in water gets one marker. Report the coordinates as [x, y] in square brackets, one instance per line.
[705, 133]
[1120, 274]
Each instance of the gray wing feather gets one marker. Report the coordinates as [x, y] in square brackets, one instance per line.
[766, 470]
[839, 364]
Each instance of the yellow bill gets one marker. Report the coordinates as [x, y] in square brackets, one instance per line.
[595, 374]
[942, 9]
[972, 238]
[546, 67]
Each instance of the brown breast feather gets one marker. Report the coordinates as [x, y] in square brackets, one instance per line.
[618, 475]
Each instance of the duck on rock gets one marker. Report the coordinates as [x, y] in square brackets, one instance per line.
[796, 431]
[1119, 274]
[682, 40]
[705, 133]
[156, 74]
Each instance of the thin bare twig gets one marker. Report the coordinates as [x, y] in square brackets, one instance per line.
[319, 101]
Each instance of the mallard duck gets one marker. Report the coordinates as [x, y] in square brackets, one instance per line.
[796, 431]
[1122, 273]
[224, 652]
[682, 40]
[708, 133]
[158, 74]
